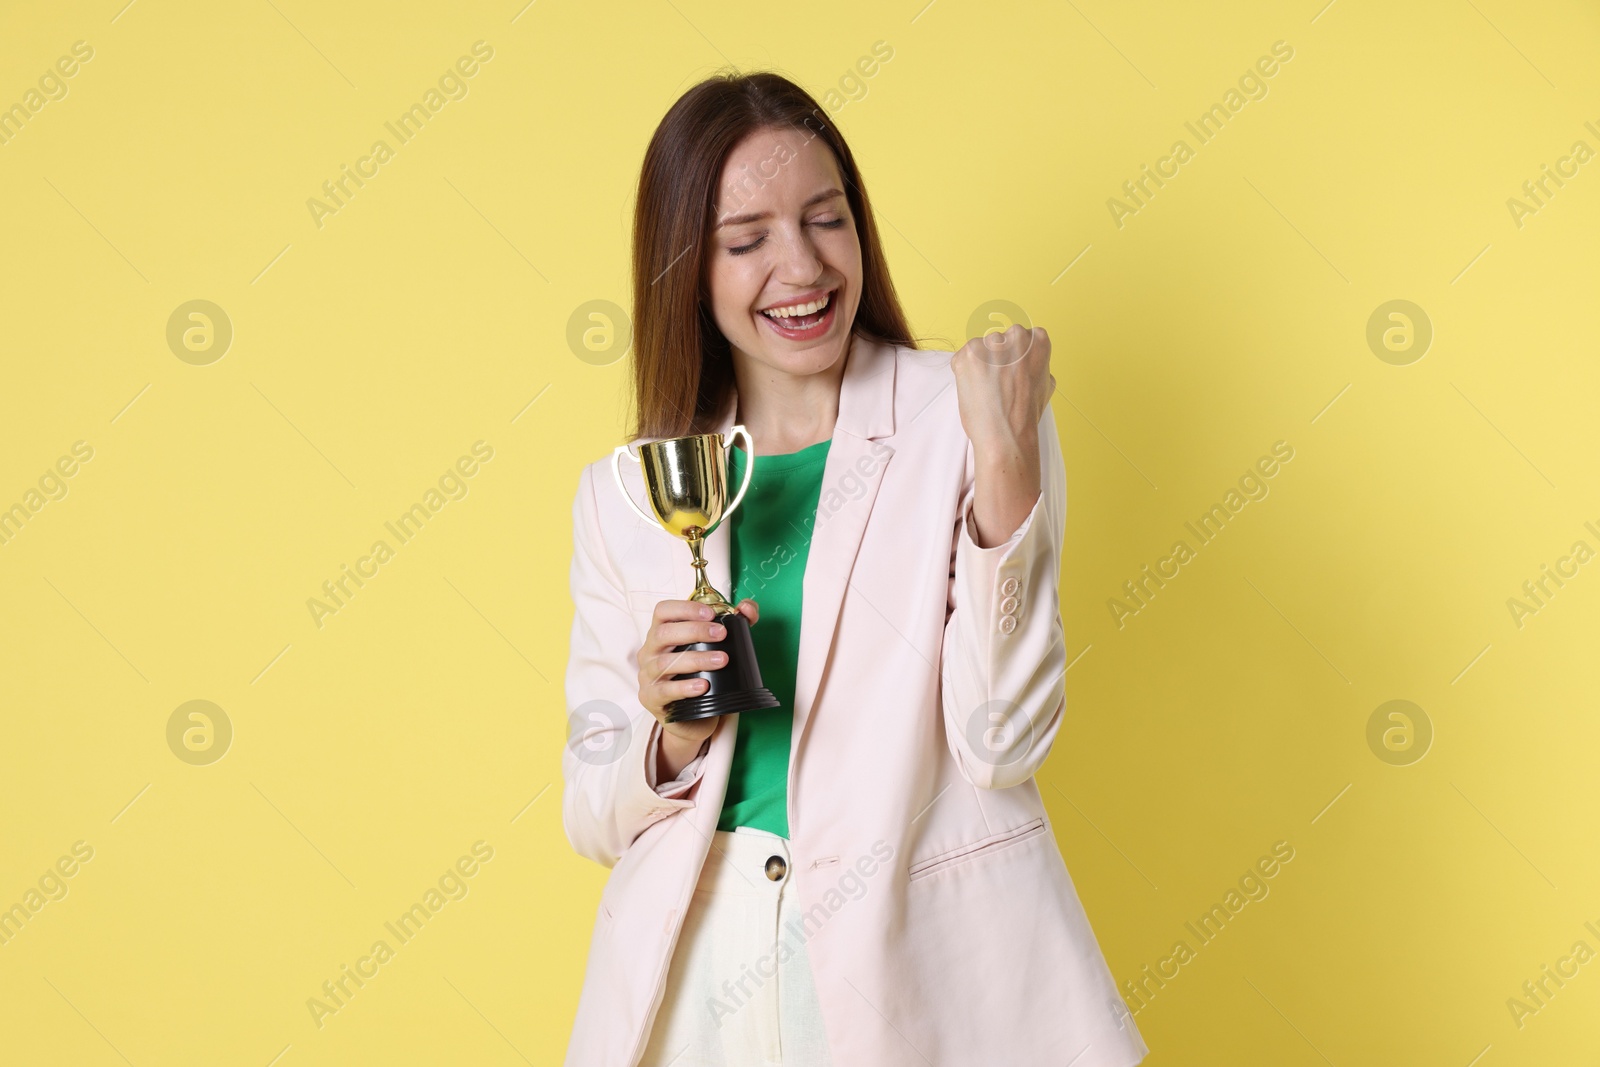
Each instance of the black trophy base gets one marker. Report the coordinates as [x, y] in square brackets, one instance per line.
[734, 686]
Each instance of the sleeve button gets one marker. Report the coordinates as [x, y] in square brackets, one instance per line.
[1008, 606]
[1008, 623]
[1008, 586]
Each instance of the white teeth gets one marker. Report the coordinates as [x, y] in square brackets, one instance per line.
[798, 309]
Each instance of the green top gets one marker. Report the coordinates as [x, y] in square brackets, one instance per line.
[771, 538]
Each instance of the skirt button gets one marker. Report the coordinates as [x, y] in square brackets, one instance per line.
[775, 867]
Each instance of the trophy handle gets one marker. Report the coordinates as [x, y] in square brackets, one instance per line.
[616, 471]
[749, 469]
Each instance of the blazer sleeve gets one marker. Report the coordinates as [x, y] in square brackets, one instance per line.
[610, 794]
[1003, 675]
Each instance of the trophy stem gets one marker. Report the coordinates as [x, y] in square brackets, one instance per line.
[703, 592]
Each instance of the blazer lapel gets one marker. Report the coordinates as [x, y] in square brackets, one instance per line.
[866, 414]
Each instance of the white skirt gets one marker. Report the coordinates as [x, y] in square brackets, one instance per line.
[739, 990]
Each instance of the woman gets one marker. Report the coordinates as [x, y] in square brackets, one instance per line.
[865, 874]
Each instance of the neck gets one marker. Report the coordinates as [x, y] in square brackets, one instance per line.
[785, 412]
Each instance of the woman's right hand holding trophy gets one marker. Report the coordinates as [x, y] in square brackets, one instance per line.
[677, 623]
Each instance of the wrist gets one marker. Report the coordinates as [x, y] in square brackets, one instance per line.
[674, 753]
[1006, 488]
[1011, 461]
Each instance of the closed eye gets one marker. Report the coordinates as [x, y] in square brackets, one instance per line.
[830, 224]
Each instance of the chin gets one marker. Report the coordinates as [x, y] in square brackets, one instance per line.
[811, 361]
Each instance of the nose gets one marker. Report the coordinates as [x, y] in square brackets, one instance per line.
[798, 261]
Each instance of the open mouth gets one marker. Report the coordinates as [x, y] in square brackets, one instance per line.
[802, 320]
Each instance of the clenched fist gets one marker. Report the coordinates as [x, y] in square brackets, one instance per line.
[1003, 385]
[1003, 382]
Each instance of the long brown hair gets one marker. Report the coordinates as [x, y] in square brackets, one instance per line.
[682, 365]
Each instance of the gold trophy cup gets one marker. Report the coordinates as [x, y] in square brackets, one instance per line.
[686, 480]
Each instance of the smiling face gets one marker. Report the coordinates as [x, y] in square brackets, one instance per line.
[784, 241]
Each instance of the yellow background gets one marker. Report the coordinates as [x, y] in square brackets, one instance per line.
[431, 312]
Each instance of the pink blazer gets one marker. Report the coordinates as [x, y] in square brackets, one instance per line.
[942, 925]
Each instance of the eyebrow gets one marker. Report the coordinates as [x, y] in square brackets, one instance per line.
[734, 220]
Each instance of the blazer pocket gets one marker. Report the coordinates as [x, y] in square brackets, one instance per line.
[975, 849]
